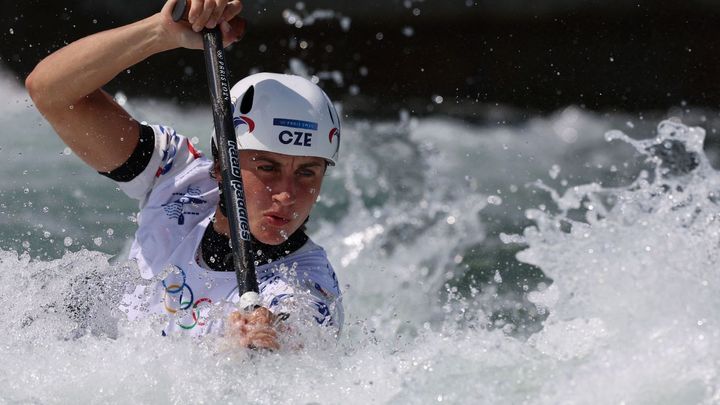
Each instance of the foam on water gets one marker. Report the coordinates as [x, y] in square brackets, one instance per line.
[635, 297]
[626, 230]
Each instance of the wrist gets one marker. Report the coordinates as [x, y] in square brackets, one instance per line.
[161, 37]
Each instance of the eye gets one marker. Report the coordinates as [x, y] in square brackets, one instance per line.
[306, 173]
[266, 168]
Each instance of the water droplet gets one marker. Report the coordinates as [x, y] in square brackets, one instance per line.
[98, 241]
[46, 234]
[68, 241]
[12, 31]
[554, 171]
[45, 209]
[450, 219]
[437, 99]
[109, 232]
[120, 98]
[345, 23]
[494, 200]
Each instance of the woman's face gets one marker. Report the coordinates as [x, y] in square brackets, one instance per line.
[280, 191]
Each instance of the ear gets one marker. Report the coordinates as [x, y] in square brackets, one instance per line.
[216, 172]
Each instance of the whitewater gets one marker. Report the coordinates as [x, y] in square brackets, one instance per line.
[562, 258]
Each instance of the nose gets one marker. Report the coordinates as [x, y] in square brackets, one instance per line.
[284, 192]
[284, 198]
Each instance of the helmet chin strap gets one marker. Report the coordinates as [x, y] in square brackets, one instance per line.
[223, 207]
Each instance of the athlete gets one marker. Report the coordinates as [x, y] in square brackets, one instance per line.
[288, 134]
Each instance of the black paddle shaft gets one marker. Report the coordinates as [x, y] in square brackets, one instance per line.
[232, 184]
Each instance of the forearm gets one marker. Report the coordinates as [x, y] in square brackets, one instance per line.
[77, 70]
[66, 86]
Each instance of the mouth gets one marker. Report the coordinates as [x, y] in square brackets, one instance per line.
[276, 219]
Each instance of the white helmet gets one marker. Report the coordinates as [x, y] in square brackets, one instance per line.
[285, 114]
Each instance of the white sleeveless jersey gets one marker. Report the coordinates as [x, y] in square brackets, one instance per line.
[178, 198]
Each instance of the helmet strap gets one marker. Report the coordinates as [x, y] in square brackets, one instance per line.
[214, 151]
[223, 207]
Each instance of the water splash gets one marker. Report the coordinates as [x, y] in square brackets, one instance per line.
[412, 218]
[634, 300]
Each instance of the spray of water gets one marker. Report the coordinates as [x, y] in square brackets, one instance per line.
[622, 308]
[634, 301]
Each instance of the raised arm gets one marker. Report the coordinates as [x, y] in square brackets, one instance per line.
[66, 86]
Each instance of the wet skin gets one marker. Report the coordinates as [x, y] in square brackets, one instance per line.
[280, 192]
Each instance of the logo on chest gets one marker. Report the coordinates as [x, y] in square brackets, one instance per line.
[186, 204]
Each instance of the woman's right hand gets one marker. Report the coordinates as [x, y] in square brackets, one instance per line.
[203, 14]
[254, 329]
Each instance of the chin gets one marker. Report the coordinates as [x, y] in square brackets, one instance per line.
[274, 241]
[274, 237]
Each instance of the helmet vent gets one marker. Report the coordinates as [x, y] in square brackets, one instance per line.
[331, 114]
[247, 100]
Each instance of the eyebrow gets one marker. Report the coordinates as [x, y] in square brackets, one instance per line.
[311, 164]
[275, 162]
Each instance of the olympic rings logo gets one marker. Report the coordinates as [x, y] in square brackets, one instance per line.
[176, 293]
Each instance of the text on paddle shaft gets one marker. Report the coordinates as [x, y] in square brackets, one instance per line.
[237, 186]
[225, 91]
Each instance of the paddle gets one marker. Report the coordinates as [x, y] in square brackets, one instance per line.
[232, 185]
